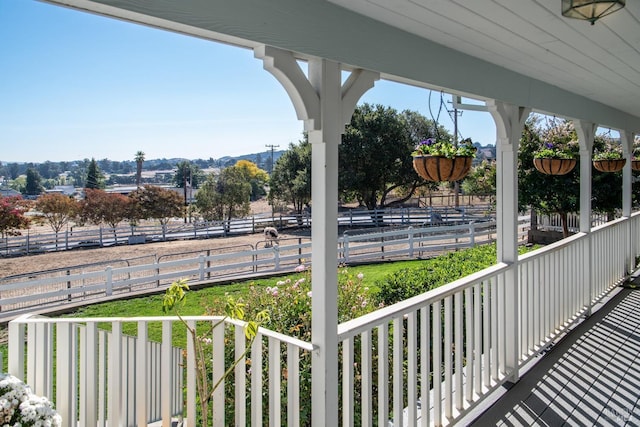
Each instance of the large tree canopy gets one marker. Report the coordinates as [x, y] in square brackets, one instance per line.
[57, 209]
[375, 154]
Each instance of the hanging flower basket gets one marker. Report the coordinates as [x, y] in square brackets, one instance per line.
[438, 168]
[609, 165]
[635, 165]
[443, 161]
[554, 166]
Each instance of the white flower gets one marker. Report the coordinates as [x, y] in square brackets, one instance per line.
[360, 276]
[300, 268]
[309, 294]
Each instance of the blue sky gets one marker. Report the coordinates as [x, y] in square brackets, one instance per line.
[75, 85]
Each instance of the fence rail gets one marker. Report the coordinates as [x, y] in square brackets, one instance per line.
[86, 283]
[31, 243]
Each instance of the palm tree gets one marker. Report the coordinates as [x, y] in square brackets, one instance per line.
[139, 160]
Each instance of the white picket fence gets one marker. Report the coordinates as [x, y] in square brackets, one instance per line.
[74, 286]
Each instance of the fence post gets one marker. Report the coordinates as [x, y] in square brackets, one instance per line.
[100, 234]
[299, 250]
[276, 256]
[109, 279]
[410, 231]
[28, 243]
[69, 285]
[157, 262]
[346, 248]
[201, 262]
[208, 264]
[66, 240]
[472, 234]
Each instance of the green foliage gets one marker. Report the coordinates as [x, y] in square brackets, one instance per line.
[225, 196]
[33, 186]
[57, 209]
[558, 138]
[481, 181]
[291, 177]
[12, 217]
[95, 178]
[188, 174]
[605, 148]
[375, 154]
[155, 202]
[444, 148]
[545, 193]
[435, 272]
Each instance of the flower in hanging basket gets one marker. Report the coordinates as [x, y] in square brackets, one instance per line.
[552, 150]
[432, 147]
[609, 158]
[443, 161]
[554, 159]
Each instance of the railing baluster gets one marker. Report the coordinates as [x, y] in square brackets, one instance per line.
[240, 378]
[447, 352]
[383, 374]
[293, 386]
[478, 327]
[437, 362]
[367, 400]
[274, 382]
[425, 360]
[412, 369]
[398, 363]
[218, 348]
[256, 381]
[347, 383]
[191, 374]
[458, 333]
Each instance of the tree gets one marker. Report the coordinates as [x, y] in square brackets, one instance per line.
[100, 207]
[481, 181]
[375, 154]
[95, 178]
[226, 196]
[34, 183]
[291, 178]
[546, 193]
[256, 177]
[12, 216]
[139, 160]
[57, 210]
[157, 203]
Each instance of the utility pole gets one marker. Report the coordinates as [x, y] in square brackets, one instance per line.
[271, 146]
[456, 185]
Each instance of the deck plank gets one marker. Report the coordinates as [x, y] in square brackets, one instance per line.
[590, 377]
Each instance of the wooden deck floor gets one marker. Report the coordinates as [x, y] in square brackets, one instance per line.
[589, 378]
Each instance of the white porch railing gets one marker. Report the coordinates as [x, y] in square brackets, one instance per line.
[424, 361]
[108, 378]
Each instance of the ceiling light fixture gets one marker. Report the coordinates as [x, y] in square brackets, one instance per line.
[590, 10]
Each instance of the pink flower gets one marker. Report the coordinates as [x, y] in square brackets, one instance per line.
[300, 268]
[309, 294]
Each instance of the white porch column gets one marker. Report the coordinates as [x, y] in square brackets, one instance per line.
[325, 105]
[586, 132]
[626, 138]
[509, 121]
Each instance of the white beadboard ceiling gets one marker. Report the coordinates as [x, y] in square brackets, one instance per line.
[532, 38]
[518, 51]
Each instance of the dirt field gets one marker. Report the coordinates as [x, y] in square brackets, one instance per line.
[54, 260]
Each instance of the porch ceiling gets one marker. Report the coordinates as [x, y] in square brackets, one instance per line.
[519, 51]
